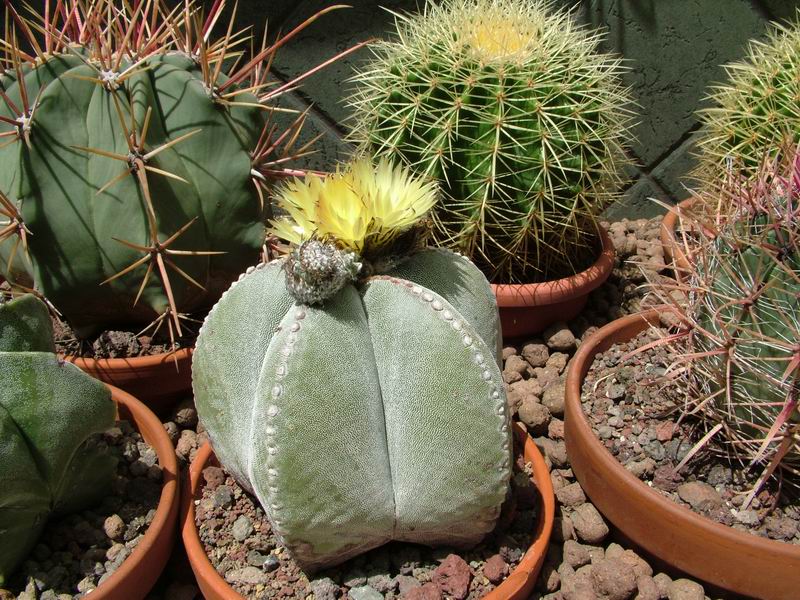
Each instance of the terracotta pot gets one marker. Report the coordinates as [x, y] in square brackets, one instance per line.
[529, 308]
[136, 576]
[159, 380]
[518, 585]
[672, 243]
[725, 557]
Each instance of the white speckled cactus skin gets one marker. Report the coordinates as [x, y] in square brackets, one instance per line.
[379, 416]
[48, 411]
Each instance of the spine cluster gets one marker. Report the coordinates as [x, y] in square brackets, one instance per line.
[510, 107]
[755, 112]
[743, 352]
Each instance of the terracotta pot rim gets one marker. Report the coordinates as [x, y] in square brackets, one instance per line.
[661, 508]
[559, 290]
[133, 362]
[207, 576]
[158, 380]
[517, 585]
[161, 529]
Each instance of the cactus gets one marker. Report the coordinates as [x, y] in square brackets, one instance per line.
[755, 111]
[136, 158]
[48, 409]
[354, 385]
[741, 347]
[507, 104]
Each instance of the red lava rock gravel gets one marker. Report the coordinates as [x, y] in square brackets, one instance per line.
[638, 423]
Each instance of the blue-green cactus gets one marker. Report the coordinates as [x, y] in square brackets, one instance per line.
[48, 409]
[378, 416]
[136, 157]
[377, 411]
[742, 359]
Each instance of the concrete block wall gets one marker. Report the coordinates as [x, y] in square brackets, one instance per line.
[674, 48]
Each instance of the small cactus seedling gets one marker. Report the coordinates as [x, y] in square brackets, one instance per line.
[740, 350]
[755, 111]
[136, 155]
[48, 409]
[508, 105]
[354, 385]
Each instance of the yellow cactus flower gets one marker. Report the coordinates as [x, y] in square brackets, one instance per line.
[299, 198]
[341, 212]
[353, 206]
[498, 36]
[395, 199]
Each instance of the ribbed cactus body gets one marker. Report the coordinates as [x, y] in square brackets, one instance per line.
[48, 409]
[75, 232]
[751, 309]
[755, 111]
[378, 415]
[742, 359]
[510, 108]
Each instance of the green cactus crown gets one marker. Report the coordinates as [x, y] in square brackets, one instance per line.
[755, 111]
[508, 105]
[136, 155]
[358, 222]
[741, 348]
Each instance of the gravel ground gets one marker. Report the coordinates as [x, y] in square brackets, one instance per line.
[584, 561]
[636, 414]
[77, 553]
